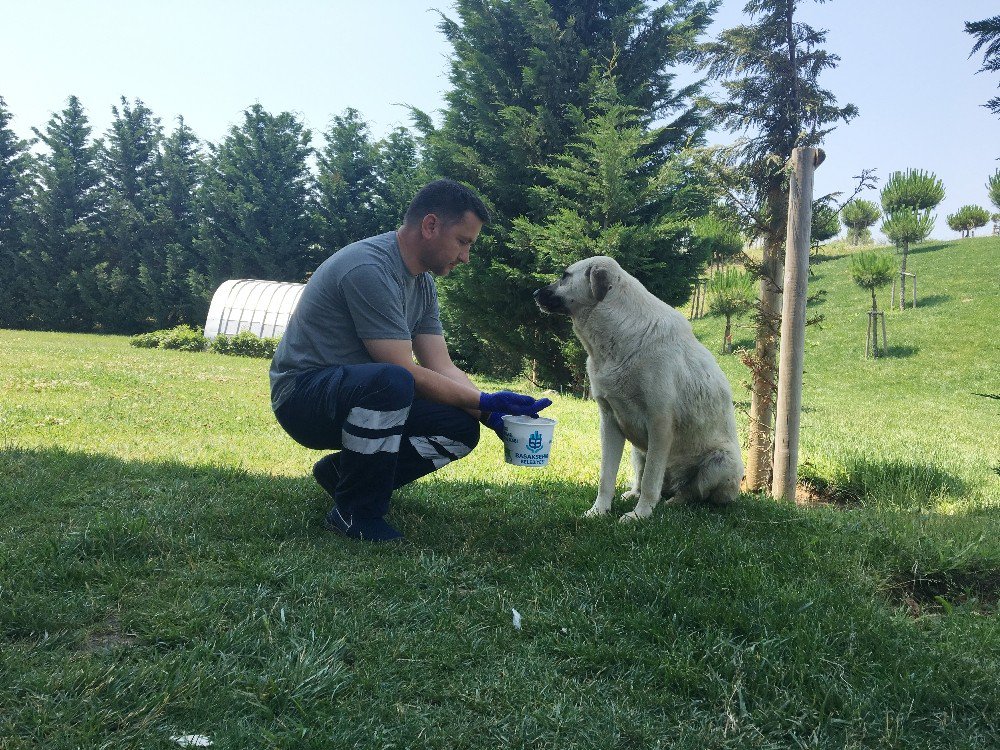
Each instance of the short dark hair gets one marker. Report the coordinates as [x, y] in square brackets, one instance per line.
[447, 199]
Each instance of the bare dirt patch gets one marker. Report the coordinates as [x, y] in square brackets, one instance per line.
[108, 637]
[932, 593]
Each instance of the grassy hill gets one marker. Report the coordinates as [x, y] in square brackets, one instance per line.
[163, 571]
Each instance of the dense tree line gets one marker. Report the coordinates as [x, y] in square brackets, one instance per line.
[134, 230]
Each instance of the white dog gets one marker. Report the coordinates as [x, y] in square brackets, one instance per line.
[655, 385]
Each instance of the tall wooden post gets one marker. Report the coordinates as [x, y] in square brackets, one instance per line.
[784, 476]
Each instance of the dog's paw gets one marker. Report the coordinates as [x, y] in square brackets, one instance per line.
[596, 510]
[630, 493]
[635, 515]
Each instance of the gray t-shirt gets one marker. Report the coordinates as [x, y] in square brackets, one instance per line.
[363, 291]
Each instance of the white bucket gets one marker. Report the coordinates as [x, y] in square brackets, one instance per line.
[526, 441]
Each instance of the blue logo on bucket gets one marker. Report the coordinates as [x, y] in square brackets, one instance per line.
[534, 443]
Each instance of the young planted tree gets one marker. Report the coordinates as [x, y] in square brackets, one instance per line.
[15, 164]
[993, 188]
[968, 219]
[716, 238]
[873, 271]
[256, 221]
[519, 73]
[63, 242]
[825, 223]
[907, 199]
[770, 71]
[859, 216]
[987, 35]
[731, 292]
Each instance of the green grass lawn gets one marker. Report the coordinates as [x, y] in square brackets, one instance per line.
[163, 570]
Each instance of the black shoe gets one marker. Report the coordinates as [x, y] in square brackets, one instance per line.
[326, 473]
[365, 529]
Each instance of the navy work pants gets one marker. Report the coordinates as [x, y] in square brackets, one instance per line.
[387, 436]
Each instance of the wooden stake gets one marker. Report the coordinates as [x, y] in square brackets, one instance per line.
[793, 323]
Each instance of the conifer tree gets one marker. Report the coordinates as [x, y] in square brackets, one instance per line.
[907, 199]
[859, 216]
[183, 290]
[770, 71]
[256, 220]
[14, 175]
[730, 292]
[518, 72]
[399, 173]
[131, 162]
[347, 183]
[993, 189]
[968, 219]
[62, 251]
[604, 196]
[987, 35]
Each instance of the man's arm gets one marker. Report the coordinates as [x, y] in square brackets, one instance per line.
[432, 352]
[447, 385]
[452, 386]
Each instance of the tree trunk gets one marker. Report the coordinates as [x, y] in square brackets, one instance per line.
[727, 339]
[763, 375]
[902, 277]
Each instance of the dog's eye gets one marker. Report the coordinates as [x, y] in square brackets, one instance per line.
[565, 275]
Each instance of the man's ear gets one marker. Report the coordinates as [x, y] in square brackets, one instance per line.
[600, 282]
[428, 225]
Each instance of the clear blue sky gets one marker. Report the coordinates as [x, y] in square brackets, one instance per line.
[904, 63]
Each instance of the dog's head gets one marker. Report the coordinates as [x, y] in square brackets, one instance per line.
[583, 285]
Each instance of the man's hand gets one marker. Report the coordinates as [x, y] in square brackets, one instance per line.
[494, 420]
[508, 402]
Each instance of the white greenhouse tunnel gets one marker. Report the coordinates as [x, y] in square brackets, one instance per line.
[261, 307]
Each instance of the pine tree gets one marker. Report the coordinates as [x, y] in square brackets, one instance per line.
[347, 183]
[63, 264]
[770, 71]
[859, 216]
[968, 219]
[993, 189]
[907, 199]
[15, 164]
[604, 196]
[987, 35]
[730, 291]
[183, 289]
[399, 173]
[825, 223]
[519, 72]
[256, 219]
[133, 262]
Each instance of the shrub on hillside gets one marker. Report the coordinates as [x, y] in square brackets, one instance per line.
[245, 344]
[182, 337]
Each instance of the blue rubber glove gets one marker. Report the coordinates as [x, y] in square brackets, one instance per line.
[508, 402]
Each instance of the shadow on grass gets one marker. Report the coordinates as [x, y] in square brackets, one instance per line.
[931, 300]
[892, 483]
[901, 351]
[69, 511]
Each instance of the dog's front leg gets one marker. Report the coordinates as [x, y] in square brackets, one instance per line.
[661, 437]
[638, 464]
[612, 445]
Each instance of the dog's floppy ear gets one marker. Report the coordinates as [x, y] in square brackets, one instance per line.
[600, 282]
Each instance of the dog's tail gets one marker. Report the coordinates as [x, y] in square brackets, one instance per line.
[715, 478]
